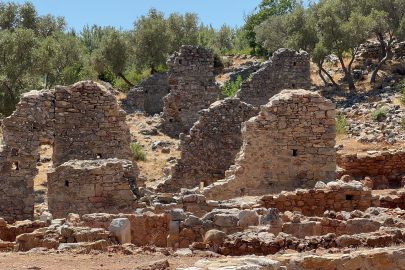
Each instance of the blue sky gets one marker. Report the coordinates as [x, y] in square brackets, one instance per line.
[122, 13]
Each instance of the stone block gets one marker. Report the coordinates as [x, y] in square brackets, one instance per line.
[121, 227]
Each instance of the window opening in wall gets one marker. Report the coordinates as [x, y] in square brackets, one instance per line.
[14, 152]
[180, 61]
[66, 183]
[179, 110]
[349, 197]
[295, 152]
[15, 166]
[293, 86]
[99, 156]
[294, 64]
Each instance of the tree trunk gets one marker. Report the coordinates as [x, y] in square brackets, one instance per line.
[320, 75]
[348, 75]
[330, 77]
[374, 75]
[152, 69]
[125, 79]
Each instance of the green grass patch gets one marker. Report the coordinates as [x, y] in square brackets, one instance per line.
[138, 152]
[379, 114]
[341, 124]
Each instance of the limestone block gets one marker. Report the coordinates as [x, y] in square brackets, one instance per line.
[121, 227]
[177, 214]
[248, 218]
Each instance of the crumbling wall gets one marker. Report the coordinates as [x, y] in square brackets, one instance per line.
[286, 69]
[211, 147]
[24, 131]
[193, 88]
[148, 96]
[289, 145]
[389, 164]
[146, 229]
[82, 121]
[89, 124]
[92, 186]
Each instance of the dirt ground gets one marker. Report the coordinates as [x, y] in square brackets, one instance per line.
[104, 261]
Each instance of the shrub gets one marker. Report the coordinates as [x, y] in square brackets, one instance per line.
[341, 124]
[138, 151]
[228, 62]
[217, 60]
[379, 114]
[230, 88]
[403, 124]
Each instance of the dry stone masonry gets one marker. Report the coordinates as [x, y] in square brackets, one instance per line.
[82, 121]
[193, 88]
[92, 186]
[286, 69]
[387, 164]
[212, 145]
[289, 145]
[148, 96]
[24, 131]
[89, 124]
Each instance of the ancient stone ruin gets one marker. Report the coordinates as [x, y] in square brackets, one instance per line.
[92, 186]
[148, 96]
[289, 145]
[82, 122]
[211, 147]
[89, 124]
[193, 88]
[286, 69]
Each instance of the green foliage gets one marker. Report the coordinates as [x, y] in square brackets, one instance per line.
[138, 152]
[341, 124]
[403, 124]
[379, 114]
[230, 88]
[265, 10]
[217, 60]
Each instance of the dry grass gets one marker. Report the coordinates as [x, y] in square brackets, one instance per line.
[352, 146]
[155, 160]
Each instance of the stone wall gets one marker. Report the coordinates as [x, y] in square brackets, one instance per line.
[146, 229]
[82, 121]
[211, 147]
[289, 145]
[389, 164]
[92, 186]
[286, 69]
[31, 125]
[193, 88]
[89, 124]
[244, 70]
[343, 197]
[148, 96]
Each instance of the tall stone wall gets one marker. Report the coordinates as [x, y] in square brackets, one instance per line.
[211, 147]
[30, 125]
[193, 88]
[89, 124]
[148, 96]
[289, 145]
[286, 69]
[82, 121]
[92, 186]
